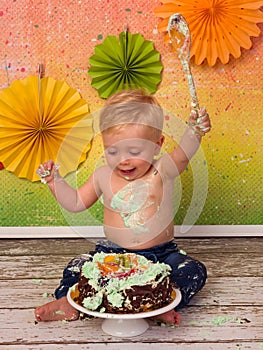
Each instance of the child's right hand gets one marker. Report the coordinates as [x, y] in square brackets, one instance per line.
[47, 171]
[200, 122]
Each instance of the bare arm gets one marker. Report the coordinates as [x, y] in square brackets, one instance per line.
[71, 199]
[178, 159]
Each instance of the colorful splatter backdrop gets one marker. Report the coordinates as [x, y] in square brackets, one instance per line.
[62, 34]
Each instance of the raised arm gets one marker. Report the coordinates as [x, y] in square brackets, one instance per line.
[178, 159]
[71, 199]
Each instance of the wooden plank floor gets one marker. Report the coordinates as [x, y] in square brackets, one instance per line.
[226, 314]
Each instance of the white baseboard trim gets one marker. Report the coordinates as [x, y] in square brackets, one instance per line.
[97, 231]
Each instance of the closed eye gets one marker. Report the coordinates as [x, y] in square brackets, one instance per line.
[111, 151]
[134, 153]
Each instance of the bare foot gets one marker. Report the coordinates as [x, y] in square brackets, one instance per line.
[169, 317]
[56, 310]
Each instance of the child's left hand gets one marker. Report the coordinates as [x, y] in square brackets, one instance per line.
[200, 122]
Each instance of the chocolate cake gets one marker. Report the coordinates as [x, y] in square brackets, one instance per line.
[124, 283]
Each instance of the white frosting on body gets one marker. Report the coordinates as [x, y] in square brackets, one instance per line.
[132, 202]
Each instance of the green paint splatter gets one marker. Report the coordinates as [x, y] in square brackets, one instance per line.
[100, 37]
[215, 321]
[36, 281]
[163, 324]
[220, 320]
[128, 10]
[59, 312]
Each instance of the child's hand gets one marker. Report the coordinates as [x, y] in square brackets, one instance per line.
[200, 123]
[47, 171]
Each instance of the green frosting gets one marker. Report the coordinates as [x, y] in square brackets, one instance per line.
[115, 299]
[131, 202]
[115, 286]
[92, 303]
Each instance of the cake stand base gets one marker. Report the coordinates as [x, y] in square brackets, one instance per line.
[124, 325]
[124, 328]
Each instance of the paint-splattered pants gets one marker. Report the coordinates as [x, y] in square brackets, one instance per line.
[187, 273]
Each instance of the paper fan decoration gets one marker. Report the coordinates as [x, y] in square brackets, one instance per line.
[127, 62]
[42, 119]
[218, 27]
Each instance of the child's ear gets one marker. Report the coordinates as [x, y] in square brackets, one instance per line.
[158, 145]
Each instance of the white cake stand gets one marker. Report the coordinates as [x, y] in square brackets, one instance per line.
[124, 325]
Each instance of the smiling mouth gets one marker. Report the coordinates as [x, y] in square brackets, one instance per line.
[127, 172]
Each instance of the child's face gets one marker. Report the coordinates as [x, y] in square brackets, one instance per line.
[130, 150]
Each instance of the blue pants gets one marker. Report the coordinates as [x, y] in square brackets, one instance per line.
[188, 274]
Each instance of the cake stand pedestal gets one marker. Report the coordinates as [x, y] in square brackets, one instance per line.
[124, 325]
[124, 328]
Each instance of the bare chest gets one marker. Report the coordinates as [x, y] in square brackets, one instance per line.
[135, 195]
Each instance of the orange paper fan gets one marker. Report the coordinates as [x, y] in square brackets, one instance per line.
[218, 27]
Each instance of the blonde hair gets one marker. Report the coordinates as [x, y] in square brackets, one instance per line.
[131, 107]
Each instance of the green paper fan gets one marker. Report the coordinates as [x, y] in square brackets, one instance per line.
[130, 62]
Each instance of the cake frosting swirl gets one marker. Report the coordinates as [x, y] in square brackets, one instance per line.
[124, 283]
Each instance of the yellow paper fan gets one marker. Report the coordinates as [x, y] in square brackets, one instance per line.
[42, 119]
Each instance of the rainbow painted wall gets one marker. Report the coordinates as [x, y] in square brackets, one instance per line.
[62, 35]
